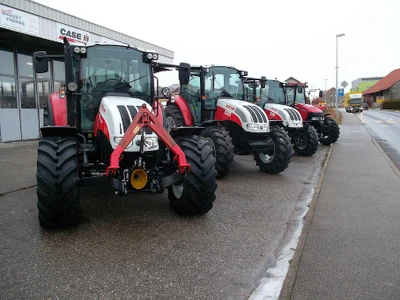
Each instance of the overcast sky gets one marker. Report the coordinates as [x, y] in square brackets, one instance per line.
[277, 39]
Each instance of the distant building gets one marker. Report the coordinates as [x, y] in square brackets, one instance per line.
[292, 79]
[385, 89]
[362, 84]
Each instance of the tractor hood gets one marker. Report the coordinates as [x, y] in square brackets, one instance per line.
[308, 108]
[118, 113]
[288, 115]
[249, 116]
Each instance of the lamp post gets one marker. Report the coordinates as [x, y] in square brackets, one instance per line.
[325, 92]
[337, 67]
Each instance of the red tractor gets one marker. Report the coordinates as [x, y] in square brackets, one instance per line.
[327, 128]
[214, 101]
[108, 128]
[269, 94]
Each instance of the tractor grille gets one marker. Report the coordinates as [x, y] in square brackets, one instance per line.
[294, 115]
[257, 114]
[128, 113]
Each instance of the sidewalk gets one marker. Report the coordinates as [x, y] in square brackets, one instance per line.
[350, 245]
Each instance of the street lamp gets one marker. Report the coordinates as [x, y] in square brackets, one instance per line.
[337, 67]
[325, 91]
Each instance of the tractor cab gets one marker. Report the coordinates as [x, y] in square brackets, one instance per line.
[208, 85]
[295, 93]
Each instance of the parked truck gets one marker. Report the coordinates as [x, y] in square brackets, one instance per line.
[353, 102]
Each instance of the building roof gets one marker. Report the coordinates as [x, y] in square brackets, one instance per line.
[292, 79]
[385, 83]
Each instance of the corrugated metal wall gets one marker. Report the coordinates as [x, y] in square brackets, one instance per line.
[48, 30]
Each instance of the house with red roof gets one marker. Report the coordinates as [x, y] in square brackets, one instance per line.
[387, 88]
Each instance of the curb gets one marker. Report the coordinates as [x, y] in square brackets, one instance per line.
[389, 161]
[291, 275]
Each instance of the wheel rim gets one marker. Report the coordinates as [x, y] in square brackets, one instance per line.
[177, 189]
[302, 142]
[265, 157]
[170, 123]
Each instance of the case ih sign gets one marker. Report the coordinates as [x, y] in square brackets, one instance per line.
[74, 35]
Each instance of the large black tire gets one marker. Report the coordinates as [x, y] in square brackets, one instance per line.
[331, 135]
[306, 144]
[195, 195]
[173, 117]
[223, 148]
[279, 160]
[58, 182]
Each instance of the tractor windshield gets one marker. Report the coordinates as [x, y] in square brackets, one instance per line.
[291, 93]
[273, 93]
[111, 69]
[223, 82]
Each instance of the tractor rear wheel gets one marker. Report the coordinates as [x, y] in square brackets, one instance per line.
[278, 161]
[331, 134]
[306, 143]
[195, 194]
[223, 148]
[173, 117]
[58, 182]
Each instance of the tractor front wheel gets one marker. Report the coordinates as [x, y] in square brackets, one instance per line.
[306, 142]
[330, 132]
[58, 182]
[223, 148]
[278, 160]
[195, 194]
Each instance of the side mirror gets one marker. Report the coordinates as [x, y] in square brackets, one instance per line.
[299, 89]
[263, 81]
[184, 73]
[321, 94]
[166, 92]
[40, 62]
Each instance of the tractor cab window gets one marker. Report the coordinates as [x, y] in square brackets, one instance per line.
[191, 91]
[272, 93]
[111, 70]
[291, 92]
[223, 82]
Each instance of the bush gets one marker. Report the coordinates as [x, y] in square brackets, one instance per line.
[391, 104]
[332, 112]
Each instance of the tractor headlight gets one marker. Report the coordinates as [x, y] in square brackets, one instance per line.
[252, 127]
[317, 118]
[117, 140]
[151, 142]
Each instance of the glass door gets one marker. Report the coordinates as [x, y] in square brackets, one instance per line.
[9, 114]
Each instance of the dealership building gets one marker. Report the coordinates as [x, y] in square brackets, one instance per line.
[25, 27]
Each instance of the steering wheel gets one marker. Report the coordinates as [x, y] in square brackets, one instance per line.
[108, 85]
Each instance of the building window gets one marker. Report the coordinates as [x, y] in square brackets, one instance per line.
[26, 81]
[8, 92]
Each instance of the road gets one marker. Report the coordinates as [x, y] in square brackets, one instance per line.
[135, 247]
[384, 127]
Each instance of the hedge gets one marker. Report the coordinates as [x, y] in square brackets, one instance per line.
[391, 104]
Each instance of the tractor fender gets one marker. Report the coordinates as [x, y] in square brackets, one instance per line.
[115, 115]
[242, 113]
[184, 108]
[57, 109]
[64, 131]
[289, 116]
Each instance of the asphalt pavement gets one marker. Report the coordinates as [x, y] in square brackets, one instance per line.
[349, 247]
